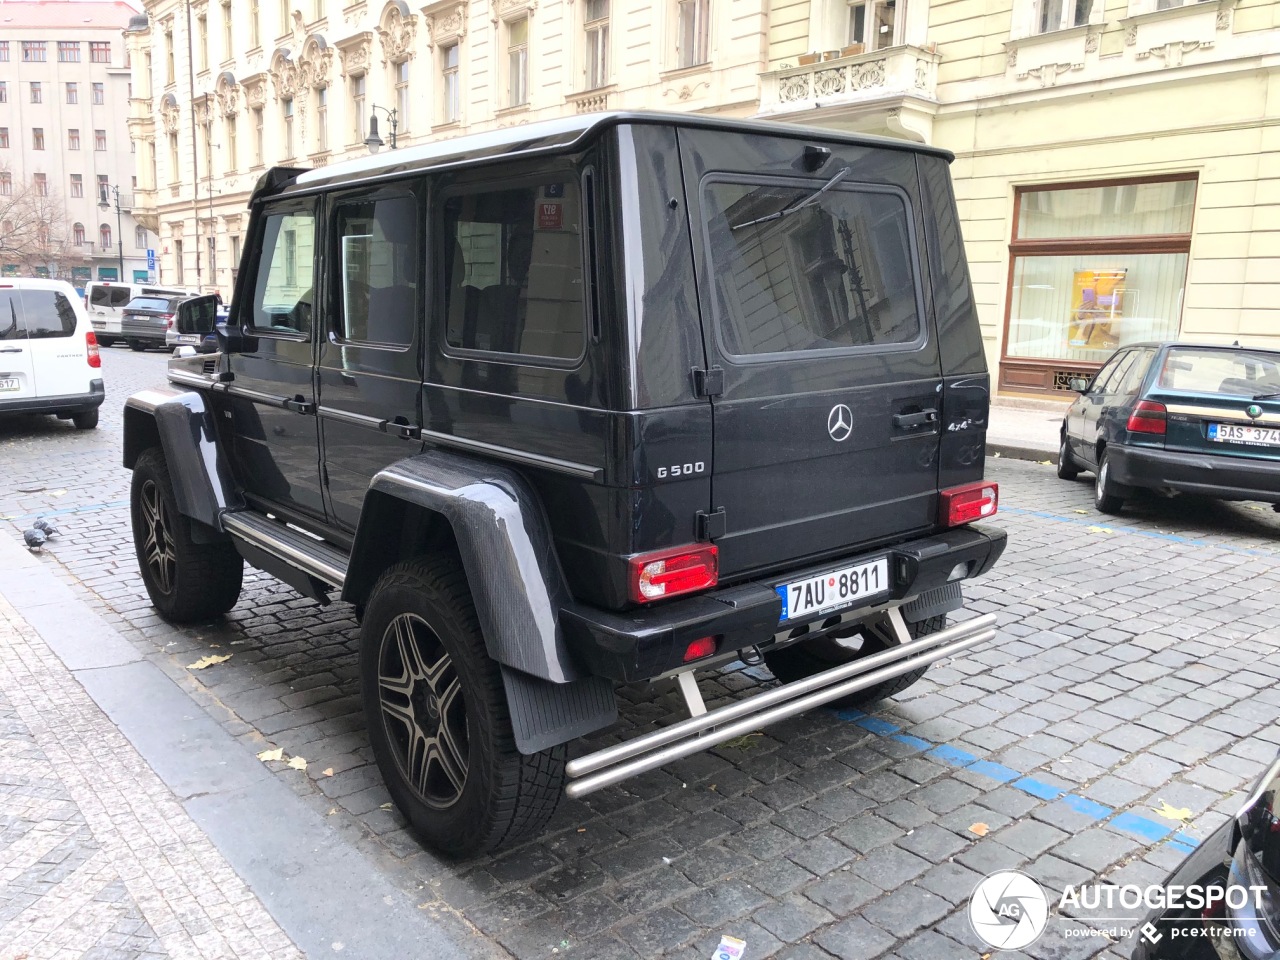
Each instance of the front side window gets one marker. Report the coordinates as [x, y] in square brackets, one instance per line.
[692, 21]
[1097, 266]
[518, 62]
[836, 273]
[512, 271]
[378, 252]
[596, 13]
[452, 107]
[284, 288]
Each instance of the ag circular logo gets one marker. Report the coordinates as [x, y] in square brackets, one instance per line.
[840, 423]
[1008, 910]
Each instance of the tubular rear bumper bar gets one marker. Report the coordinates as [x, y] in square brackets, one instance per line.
[606, 767]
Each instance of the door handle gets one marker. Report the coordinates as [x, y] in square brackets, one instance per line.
[299, 405]
[921, 419]
[11, 350]
[402, 428]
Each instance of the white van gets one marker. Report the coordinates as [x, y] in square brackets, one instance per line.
[106, 300]
[49, 359]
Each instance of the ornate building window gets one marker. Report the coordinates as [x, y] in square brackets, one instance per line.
[596, 27]
[451, 84]
[693, 20]
[77, 234]
[286, 110]
[517, 32]
[322, 119]
[400, 72]
[357, 107]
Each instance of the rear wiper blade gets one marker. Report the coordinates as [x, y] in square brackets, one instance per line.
[1267, 396]
[798, 204]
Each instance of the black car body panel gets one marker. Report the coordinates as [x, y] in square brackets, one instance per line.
[557, 397]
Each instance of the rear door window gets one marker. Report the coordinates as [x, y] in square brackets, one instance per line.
[512, 280]
[49, 314]
[378, 247]
[12, 324]
[799, 271]
[108, 296]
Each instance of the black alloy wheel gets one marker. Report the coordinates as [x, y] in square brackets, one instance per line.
[424, 711]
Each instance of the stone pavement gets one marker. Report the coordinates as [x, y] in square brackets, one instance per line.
[1136, 662]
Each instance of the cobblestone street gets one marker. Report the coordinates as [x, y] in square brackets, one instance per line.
[1135, 664]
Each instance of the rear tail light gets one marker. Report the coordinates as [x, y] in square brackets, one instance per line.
[168, 320]
[670, 573]
[973, 501]
[91, 347]
[697, 649]
[1147, 417]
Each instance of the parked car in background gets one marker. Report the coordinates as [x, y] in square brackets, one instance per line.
[147, 320]
[173, 338]
[1177, 418]
[106, 301]
[49, 359]
[1242, 859]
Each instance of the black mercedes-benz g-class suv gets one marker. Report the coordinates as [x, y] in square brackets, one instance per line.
[598, 400]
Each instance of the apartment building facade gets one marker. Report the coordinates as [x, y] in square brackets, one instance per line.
[65, 153]
[1117, 161]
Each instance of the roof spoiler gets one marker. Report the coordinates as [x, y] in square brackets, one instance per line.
[275, 180]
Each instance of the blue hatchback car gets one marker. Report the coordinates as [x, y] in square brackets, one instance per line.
[1177, 418]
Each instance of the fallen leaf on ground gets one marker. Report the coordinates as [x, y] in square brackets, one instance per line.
[1181, 814]
[385, 806]
[582, 829]
[1045, 463]
[1079, 511]
[332, 811]
[208, 661]
[276, 754]
[743, 742]
[995, 456]
[979, 829]
[297, 763]
[57, 493]
[327, 772]
[1093, 529]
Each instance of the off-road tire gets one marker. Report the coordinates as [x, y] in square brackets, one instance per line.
[1067, 469]
[505, 794]
[85, 419]
[804, 660]
[204, 579]
[1105, 497]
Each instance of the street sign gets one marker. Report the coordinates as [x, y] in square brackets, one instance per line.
[151, 260]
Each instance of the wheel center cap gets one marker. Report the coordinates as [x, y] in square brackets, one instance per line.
[433, 706]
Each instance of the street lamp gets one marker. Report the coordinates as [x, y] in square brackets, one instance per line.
[105, 204]
[373, 141]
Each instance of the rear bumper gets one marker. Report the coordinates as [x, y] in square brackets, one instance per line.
[67, 403]
[143, 333]
[647, 642]
[1227, 478]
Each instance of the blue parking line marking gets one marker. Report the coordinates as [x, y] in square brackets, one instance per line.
[952, 756]
[1151, 534]
[1185, 839]
[996, 771]
[911, 741]
[1140, 827]
[1038, 788]
[87, 508]
[882, 728]
[1089, 808]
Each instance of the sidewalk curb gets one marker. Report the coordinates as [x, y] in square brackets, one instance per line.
[1016, 451]
[324, 892]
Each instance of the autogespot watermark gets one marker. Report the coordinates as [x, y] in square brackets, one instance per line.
[1009, 910]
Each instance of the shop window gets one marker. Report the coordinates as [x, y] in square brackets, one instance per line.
[1094, 267]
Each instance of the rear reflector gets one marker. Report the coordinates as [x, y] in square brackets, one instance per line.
[656, 576]
[697, 649]
[91, 346]
[1147, 417]
[973, 501]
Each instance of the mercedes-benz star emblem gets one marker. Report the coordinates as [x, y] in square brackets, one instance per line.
[840, 422]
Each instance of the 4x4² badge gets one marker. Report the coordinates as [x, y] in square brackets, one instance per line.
[840, 422]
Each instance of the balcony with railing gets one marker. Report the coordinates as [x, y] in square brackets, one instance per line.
[873, 87]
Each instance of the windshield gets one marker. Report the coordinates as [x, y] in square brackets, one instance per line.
[1240, 373]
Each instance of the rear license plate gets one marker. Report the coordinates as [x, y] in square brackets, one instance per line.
[834, 589]
[1240, 433]
[9, 384]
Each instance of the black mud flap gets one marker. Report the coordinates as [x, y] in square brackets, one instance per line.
[544, 714]
[933, 603]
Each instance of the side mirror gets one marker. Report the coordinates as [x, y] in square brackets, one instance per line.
[1078, 384]
[197, 315]
[231, 339]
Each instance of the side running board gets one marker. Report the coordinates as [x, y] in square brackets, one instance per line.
[601, 769]
[292, 547]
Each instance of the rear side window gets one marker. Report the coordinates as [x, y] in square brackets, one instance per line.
[108, 296]
[12, 324]
[49, 314]
[378, 247]
[796, 270]
[512, 271]
[284, 289]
